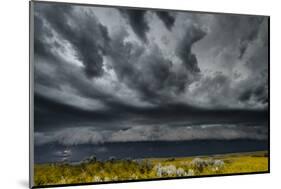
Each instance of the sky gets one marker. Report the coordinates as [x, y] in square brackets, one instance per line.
[104, 74]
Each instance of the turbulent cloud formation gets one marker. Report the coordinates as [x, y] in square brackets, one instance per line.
[250, 35]
[81, 29]
[151, 74]
[166, 18]
[117, 75]
[137, 20]
[192, 35]
[154, 76]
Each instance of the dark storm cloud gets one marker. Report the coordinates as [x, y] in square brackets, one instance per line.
[166, 18]
[189, 59]
[87, 135]
[255, 42]
[239, 31]
[95, 82]
[88, 37]
[144, 70]
[50, 114]
[250, 35]
[42, 47]
[149, 72]
[236, 49]
[217, 88]
[40, 30]
[257, 93]
[71, 126]
[138, 22]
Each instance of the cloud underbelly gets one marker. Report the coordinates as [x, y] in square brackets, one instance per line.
[88, 135]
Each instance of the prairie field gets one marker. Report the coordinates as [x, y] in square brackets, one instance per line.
[92, 170]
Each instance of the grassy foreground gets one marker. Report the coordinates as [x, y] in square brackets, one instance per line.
[118, 170]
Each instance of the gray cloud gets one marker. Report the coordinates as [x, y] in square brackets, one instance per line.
[189, 59]
[245, 70]
[42, 48]
[82, 30]
[146, 70]
[166, 18]
[249, 35]
[88, 135]
[95, 73]
[138, 22]
[222, 91]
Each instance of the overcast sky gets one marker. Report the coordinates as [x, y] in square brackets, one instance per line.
[114, 74]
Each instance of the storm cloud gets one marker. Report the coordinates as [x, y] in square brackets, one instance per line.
[87, 135]
[167, 18]
[119, 75]
[81, 29]
[138, 22]
[184, 49]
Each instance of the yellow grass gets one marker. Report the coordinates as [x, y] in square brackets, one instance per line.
[120, 170]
